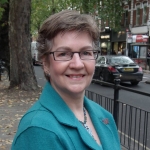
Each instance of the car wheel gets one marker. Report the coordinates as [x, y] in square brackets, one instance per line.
[134, 82]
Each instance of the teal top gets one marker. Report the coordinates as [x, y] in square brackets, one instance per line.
[101, 147]
[50, 125]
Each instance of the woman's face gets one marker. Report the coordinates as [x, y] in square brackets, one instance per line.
[75, 75]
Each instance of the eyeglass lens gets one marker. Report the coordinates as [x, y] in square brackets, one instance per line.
[66, 55]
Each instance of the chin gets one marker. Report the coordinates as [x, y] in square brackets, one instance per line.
[77, 89]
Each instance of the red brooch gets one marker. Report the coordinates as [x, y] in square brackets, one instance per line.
[105, 121]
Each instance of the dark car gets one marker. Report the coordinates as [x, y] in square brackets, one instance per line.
[111, 67]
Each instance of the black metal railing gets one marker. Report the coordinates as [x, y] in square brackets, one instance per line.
[133, 123]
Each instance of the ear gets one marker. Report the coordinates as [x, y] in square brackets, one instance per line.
[45, 66]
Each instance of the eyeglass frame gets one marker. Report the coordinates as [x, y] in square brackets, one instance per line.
[72, 54]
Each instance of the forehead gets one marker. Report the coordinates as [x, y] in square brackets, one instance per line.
[72, 38]
[73, 34]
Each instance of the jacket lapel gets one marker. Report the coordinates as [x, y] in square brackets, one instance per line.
[87, 138]
[103, 124]
[52, 101]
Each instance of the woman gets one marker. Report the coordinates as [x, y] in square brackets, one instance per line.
[63, 118]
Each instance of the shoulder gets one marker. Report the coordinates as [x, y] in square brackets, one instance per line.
[38, 123]
[39, 138]
[37, 116]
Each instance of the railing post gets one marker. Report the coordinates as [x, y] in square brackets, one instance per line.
[116, 97]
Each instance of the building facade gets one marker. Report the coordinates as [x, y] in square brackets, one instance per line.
[137, 20]
[135, 25]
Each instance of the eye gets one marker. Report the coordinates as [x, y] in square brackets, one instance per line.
[87, 53]
[62, 54]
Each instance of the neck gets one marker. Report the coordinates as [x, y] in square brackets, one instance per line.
[73, 100]
[75, 103]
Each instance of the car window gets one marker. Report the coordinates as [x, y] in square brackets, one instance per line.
[101, 60]
[121, 60]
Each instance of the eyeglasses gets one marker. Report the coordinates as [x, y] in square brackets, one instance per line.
[67, 55]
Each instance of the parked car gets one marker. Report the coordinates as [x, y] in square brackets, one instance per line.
[108, 68]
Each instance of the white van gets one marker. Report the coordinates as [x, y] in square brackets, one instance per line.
[34, 53]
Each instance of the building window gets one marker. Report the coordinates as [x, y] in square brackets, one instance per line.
[144, 18]
[126, 18]
[138, 14]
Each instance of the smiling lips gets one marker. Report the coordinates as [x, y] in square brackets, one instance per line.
[76, 76]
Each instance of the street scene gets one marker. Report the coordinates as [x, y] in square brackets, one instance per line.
[16, 105]
[133, 99]
[74, 74]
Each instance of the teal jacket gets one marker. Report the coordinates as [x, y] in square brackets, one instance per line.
[50, 125]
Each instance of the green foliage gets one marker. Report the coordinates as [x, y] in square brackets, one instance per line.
[2, 2]
[42, 9]
[109, 11]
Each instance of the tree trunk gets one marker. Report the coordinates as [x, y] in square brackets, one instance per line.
[4, 46]
[21, 67]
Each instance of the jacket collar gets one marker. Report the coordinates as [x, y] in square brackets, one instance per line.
[53, 102]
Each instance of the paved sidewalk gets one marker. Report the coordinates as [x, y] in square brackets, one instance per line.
[13, 104]
[147, 72]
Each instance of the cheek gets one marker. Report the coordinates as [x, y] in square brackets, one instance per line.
[57, 67]
[90, 67]
[54, 68]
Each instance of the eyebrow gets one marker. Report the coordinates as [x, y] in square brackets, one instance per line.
[69, 49]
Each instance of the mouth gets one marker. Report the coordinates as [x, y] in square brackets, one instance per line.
[75, 76]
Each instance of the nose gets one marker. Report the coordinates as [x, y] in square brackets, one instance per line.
[76, 62]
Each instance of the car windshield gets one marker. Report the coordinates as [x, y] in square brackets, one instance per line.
[121, 60]
[100, 60]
